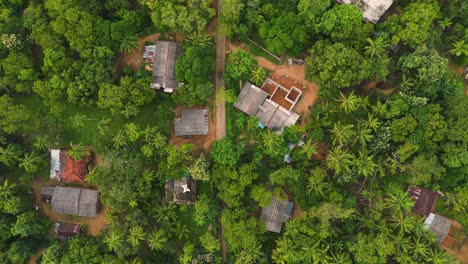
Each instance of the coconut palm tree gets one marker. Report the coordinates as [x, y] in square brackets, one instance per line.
[271, 140]
[114, 240]
[129, 44]
[30, 162]
[158, 140]
[371, 122]
[377, 47]
[103, 125]
[285, 251]
[157, 240]
[437, 256]
[292, 227]
[445, 23]
[9, 155]
[199, 39]
[309, 149]
[403, 243]
[41, 143]
[407, 83]
[77, 151]
[129, 111]
[402, 222]
[348, 103]
[364, 164]
[136, 235]
[165, 213]
[364, 135]
[418, 248]
[257, 75]
[252, 254]
[339, 160]
[316, 183]
[339, 257]
[459, 48]
[399, 201]
[120, 139]
[78, 120]
[315, 253]
[379, 109]
[342, 134]
[6, 190]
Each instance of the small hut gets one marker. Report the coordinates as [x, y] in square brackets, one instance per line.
[449, 233]
[64, 168]
[65, 231]
[424, 200]
[72, 201]
[276, 213]
[181, 191]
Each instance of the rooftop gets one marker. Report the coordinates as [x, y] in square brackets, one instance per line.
[164, 72]
[372, 9]
[276, 213]
[424, 199]
[193, 122]
[181, 191]
[73, 201]
[66, 169]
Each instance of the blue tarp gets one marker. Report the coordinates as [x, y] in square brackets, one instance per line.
[260, 125]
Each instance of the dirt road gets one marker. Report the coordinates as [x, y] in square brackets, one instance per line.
[220, 107]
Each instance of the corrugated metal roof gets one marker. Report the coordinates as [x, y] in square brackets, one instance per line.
[164, 72]
[193, 122]
[75, 201]
[275, 214]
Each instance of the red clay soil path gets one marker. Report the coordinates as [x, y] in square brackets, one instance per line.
[220, 106]
[95, 225]
[296, 72]
[198, 142]
[462, 254]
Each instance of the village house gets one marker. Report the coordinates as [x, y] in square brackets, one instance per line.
[276, 213]
[64, 168]
[372, 9]
[272, 103]
[181, 191]
[71, 201]
[450, 234]
[162, 61]
[193, 122]
[65, 231]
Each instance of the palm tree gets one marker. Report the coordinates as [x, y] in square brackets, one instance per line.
[158, 140]
[257, 75]
[129, 44]
[339, 160]
[445, 23]
[41, 143]
[251, 254]
[316, 182]
[407, 83]
[402, 222]
[403, 243]
[165, 213]
[348, 103]
[77, 151]
[157, 240]
[30, 162]
[103, 125]
[342, 134]
[114, 240]
[6, 191]
[339, 257]
[418, 248]
[9, 155]
[364, 164]
[315, 253]
[309, 149]
[436, 256]
[371, 122]
[120, 139]
[285, 251]
[136, 235]
[399, 201]
[129, 111]
[271, 140]
[379, 109]
[199, 39]
[377, 47]
[181, 231]
[78, 120]
[292, 228]
[363, 135]
[459, 48]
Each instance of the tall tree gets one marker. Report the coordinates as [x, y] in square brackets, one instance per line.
[339, 160]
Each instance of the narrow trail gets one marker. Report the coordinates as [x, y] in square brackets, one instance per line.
[220, 107]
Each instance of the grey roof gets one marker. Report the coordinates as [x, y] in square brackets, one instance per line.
[253, 101]
[193, 122]
[372, 9]
[175, 190]
[164, 72]
[439, 224]
[47, 191]
[75, 201]
[275, 214]
[250, 98]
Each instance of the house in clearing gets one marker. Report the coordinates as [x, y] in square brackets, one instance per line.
[272, 103]
[372, 9]
[193, 122]
[424, 200]
[276, 213]
[71, 201]
[449, 233]
[65, 231]
[181, 191]
[162, 57]
[64, 168]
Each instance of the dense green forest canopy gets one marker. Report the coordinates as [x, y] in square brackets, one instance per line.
[390, 113]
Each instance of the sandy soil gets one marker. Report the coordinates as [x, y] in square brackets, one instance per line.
[33, 259]
[134, 60]
[198, 142]
[462, 254]
[95, 225]
[296, 72]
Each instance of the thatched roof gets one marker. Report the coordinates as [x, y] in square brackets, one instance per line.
[75, 201]
[193, 122]
[276, 213]
[424, 199]
[181, 191]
